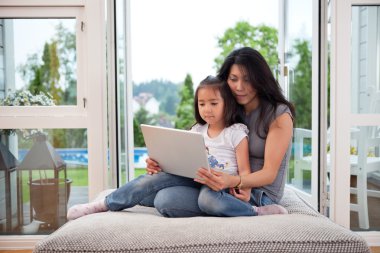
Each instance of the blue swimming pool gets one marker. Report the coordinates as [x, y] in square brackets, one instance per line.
[79, 156]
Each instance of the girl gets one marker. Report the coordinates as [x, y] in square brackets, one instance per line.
[225, 139]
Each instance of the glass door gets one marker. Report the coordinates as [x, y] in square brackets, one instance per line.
[51, 121]
[297, 50]
[39, 80]
[365, 99]
[356, 121]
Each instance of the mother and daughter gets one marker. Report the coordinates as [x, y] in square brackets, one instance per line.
[254, 155]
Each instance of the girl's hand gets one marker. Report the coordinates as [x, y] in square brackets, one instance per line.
[242, 194]
[214, 179]
[152, 166]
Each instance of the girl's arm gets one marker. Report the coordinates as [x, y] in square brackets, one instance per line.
[152, 166]
[277, 143]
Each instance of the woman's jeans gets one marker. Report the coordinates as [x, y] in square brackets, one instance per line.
[176, 196]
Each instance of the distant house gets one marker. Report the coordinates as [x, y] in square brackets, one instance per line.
[146, 101]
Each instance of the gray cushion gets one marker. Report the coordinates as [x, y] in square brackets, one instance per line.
[142, 229]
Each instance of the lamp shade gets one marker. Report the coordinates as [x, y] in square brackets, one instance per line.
[7, 159]
[42, 156]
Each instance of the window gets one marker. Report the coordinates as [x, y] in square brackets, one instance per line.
[50, 140]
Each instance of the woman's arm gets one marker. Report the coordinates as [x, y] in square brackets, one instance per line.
[277, 143]
[242, 159]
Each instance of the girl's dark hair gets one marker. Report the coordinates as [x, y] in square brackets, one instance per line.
[231, 113]
[262, 80]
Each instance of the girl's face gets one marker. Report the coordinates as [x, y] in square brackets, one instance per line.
[211, 106]
[242, 89]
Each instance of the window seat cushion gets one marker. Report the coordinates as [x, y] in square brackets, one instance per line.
[143, 229]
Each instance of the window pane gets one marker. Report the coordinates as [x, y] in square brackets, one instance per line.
[38, 55]
[365, 178]
[300, 164]
[298, 58]
[42, 174]
[365, 86]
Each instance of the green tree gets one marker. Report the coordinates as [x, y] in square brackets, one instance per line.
[263, 38]
[50, 69]
[138, 139]
[44, 77]
[66, 45]
[142, 116]
[300, 93]
[33, 75]
[185, 111]
[169, 104]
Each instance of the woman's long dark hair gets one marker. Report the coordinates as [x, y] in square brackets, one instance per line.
[230, 113]
[262, 80]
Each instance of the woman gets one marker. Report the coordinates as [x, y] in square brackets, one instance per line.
[269, 117]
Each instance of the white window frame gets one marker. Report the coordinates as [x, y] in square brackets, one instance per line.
[114, 107]
[91, 84]
[53, 12]
[311, 198]
[341, 117]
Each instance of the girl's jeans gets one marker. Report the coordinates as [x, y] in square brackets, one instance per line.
[176, 196]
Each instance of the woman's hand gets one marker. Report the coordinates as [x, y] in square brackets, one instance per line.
[242, 194]
[152, 166]
[214, 179]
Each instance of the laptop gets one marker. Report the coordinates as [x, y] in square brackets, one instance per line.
[178, 152]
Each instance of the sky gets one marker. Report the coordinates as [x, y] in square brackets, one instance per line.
[172, 38]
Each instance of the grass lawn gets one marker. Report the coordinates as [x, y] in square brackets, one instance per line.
[79, 176]
[139, 172]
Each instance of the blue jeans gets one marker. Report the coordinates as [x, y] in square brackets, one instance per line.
[206, 202]
[176, 196]
[143, 190]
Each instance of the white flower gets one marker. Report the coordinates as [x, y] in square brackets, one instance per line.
[25, 98]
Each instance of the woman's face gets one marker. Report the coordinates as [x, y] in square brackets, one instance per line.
[242, 89]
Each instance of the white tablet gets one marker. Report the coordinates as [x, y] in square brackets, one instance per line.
[178, 152]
